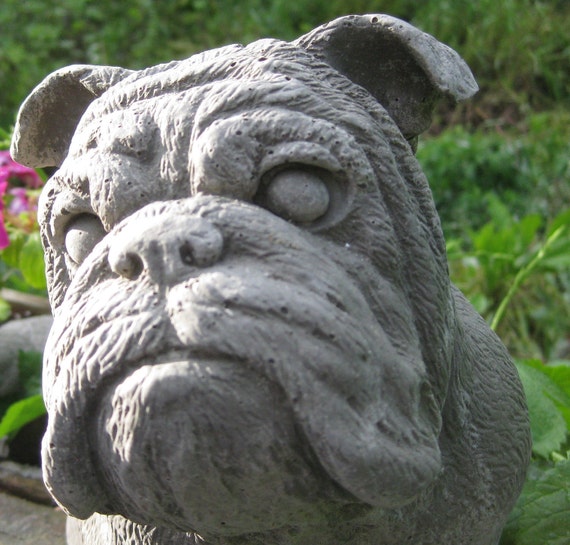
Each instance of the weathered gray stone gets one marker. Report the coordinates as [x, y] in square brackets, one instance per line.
[26, 523]
[256, 340]
[24, 481]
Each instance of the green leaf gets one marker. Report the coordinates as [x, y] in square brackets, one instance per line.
[11, 254]
[528, 229]
[558, 255]
[21, 413]
[5, 310]
[562, 219]
[547, 405]
[541, 514]
[32, 262]
[559, 372]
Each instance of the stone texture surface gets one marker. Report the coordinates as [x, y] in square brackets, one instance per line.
[255, 337]
[26, 523]
[24, 481]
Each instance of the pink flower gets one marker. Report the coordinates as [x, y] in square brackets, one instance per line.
[4, 240]
[16, 180]
[20, 202]
[10, 171]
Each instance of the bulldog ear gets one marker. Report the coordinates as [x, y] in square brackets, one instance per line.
[48, 117]
[405, 69]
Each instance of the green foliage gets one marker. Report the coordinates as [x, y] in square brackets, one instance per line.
[541, 514]
[515, 272]
[528, 171]
[39, 36]
[31, 262]
[518, 49]
[21, 413]
[547, 389]
[5, 310]
[554, 253]
[22, 263]
[5, 138]
[503, 200]
[30, 372]
[26, 404]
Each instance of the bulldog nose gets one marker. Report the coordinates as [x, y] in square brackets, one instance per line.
[168, 251]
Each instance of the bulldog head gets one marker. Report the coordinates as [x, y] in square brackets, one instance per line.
[254, 324]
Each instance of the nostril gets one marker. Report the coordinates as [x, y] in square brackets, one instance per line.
[201, 246]
[165, 252]
[126, 264]
[186, 253]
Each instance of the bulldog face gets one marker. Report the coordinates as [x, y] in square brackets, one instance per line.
[253, 318]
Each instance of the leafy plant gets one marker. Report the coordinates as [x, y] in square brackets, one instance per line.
[547, 389]
[21, 254]
[25, 403]
[527, 170]
[22, 269]
[552, 254]
[518, 49]
[515, 272]
[541, 513]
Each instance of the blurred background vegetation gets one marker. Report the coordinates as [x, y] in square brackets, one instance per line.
[498, 165]
[518, 49]
[497, 158]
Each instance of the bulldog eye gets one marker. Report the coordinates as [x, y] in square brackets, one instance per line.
[81, 235]
[299, 194]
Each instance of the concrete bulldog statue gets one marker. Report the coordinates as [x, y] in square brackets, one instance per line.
[256, 341]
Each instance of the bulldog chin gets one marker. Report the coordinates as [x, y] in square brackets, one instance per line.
[178, 476]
